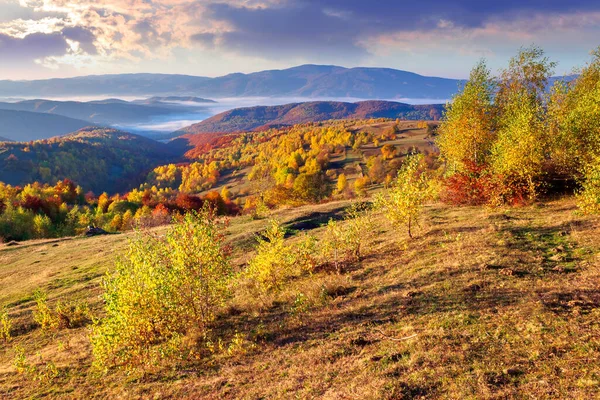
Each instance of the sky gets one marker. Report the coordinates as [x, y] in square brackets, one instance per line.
[62, 38]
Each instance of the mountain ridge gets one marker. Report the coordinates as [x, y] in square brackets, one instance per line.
[309, 80]
[24, 126]
[262, 117]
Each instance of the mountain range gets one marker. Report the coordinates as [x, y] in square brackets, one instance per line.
[313, 81]
[104, 112]
[23, 126]
[262, 117]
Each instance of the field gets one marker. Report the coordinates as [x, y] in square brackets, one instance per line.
[484, 303]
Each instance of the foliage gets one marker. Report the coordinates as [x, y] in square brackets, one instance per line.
[402, 202]
[345, 241]
[342, 183]
[588, 197]
[274, 261]
[72, 314]
[467, 131]
[43, 315]
[5, 325]
[164, 289]
[103, 159]
[520, 149]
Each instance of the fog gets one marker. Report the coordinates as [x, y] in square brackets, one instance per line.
[174, 122]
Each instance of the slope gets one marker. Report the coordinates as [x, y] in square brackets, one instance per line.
[478, 306]
[251, 118]
[98, 159]
[24, 126]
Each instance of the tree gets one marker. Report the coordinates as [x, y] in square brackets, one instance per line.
[226, 193]
[376, 169]
[521, 145]
[402, 203]
[388, 151]
[573, 116]
[342, 183]
[467, 133]
[360, 185]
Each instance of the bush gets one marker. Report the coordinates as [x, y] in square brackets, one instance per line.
[164, 289]
[588, 197]
[344, 241]
[43, 315]
[274, 261]
[72, 314]
[470, 186]
[5, 325]
[402, 203]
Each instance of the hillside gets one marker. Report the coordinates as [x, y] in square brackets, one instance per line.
[478, 306]
[305, 81]
[261, 117]
[98, 159]
[108, 112]
[25, 126]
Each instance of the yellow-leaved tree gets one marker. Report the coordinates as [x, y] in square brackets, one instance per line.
[164, 290]
[402, 203]
[466, 135]
[521, 146]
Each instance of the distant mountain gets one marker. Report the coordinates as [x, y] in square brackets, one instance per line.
[98, 159]
[3, 139]
[261, 117]
[23, 126]
[170, 99]
[106, 112]
[303, 81]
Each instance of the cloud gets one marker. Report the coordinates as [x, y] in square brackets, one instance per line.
[294, 29]
[84, 37]
[36, 45]
[94, 32]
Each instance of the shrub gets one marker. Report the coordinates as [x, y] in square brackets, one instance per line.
[273, 262]
[5, 325]
[43, 315]
[307, 254]
[402, 203]
[162, 290]
[344, 241]
[588, 197]
[72, 314]
[470, 186]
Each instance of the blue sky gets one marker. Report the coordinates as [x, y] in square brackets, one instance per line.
[60, 38]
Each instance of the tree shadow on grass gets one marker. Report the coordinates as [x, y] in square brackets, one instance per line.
[314, 220]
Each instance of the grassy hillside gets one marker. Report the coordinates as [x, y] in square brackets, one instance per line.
[482, 304]
[98, 159]
[24, 126]
[263, 117]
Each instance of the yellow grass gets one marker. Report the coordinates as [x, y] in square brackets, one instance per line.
[484, 304]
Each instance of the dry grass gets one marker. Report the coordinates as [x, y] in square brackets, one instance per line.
[493, 304]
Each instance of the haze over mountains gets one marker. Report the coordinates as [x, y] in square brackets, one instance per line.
[25, 126]
[112, 111]
[303, 81]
